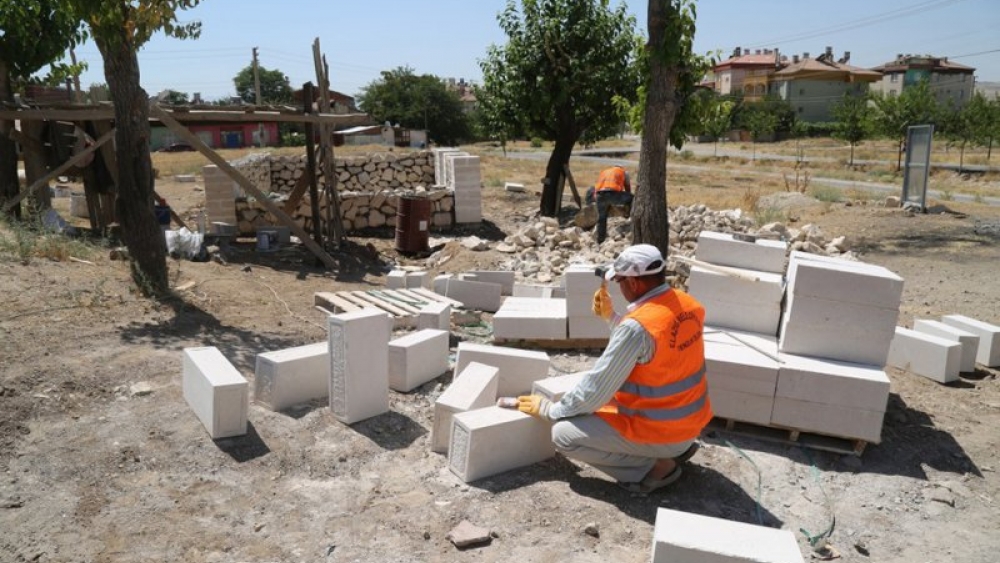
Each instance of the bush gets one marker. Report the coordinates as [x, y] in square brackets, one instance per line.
[828, 194]
[293, 139]
[536, 142]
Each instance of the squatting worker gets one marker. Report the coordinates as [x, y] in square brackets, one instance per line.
[637, 413]
[613, 187]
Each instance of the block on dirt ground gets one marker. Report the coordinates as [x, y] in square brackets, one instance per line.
[396, 279]
[519, 369]
[683, 537]
[968, 340]
[434, 315]
[492, 440]
[291, 376]
[359, 364]
[553, 388]
[531, 318]
[988, 353]
[724, 250]
[417, 358]
[473, 295]
[416, 279]
[505, 279]
[215, 391]
[923, 354]
[474, 388]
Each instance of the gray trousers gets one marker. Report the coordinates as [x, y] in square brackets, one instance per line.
[591, 440]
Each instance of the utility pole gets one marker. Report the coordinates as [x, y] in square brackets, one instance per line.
[256, 91]
[76, 77]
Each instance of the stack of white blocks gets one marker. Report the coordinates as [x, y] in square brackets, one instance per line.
[532, 318]
[417, 358]
[441, 177]
[215, 391]
[581, 282]
[741, 377]
[359, 367]
[683, 537]
[474, 388]
[518, 369]
[464, 172]
[751, 303]
[284, 378]
[840, 310]
[481, 296]
[988, 352]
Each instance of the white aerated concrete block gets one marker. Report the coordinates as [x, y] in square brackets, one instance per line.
[474, 295]
[294, 375]
[581, 283]
[553, 388]
[359, 364]
[737, 303]
[968, 340]
[923, 354]
[519, 369]
[474, 388]
[436, 314]
[215, 391]
[417, 358]
[841, 280]
[416, 279]
[724, 250]
[684, 537]
[531, 318]
[396, 279]
[736, 405]
[826, 419]
[766, 344]
[492, 440]
[588, 326]
[832, 382]
[738, 367]
[838, 330]
[989, 337]
[532, 290]
[505, 279]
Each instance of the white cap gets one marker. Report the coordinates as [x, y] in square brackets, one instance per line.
[638, 260]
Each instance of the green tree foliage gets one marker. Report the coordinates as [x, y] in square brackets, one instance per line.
[893, 115]
[564, 63]
[761, 122]
[120, 29]
[853, 117]
[717, 117]
[417, 102]
[991, 126]
[274, 86]
[175, 98]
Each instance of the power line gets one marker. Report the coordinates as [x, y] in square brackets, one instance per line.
[974, 54]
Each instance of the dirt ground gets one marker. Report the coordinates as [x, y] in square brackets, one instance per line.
[95, 468]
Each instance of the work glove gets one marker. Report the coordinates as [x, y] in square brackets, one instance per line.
[535, 405]
[602, 305]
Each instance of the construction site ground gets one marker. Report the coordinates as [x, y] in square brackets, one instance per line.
[102, 460]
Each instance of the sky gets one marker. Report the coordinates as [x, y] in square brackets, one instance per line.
[447, 38]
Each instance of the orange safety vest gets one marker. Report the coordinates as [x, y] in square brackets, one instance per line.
[611, 179]
[665, 401]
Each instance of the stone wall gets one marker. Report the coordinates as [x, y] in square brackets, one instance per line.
[370, 173]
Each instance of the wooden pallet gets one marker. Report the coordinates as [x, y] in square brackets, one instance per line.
[552, 344]
[401, 304]
[789, 436]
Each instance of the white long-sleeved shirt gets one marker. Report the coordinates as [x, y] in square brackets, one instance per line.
[630, 344]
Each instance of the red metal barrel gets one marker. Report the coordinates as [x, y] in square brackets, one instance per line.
[413, 224]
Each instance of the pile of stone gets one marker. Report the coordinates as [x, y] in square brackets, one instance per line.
[369, 173]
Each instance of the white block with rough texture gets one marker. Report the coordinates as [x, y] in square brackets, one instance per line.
[553, 388]
[474, 295]
[736, 303]
[829, 420]
[519, 369]
[988, 353]
[684, 537]
[581, 282]
[396, 279]
[923, 354]
[417, 358]
[589, 326]
[850, 332]
[359, 364]
[434, 315]
[294, 375]
[736, 405]
[843, 280]
[723, 250]
[215, 391]
[531, 318]
[968, 340]
[474, 388]
[492, 440]
[738, 367]
[837, 383]
[505, 279]
[416, 279]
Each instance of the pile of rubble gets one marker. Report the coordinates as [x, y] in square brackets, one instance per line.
[541, 251]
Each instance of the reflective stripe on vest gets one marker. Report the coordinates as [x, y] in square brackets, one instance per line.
[676, 413]
[650, 392]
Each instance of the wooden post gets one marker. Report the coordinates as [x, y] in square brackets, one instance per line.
[247, 185]
[326, 152]
[572, 185]
[307, 94]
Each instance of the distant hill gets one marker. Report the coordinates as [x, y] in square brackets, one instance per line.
[989, 89]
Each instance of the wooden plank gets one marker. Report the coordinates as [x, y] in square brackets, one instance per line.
[572, 185]
[102, 113]
[334, 302]
[299, 190]
[789, 436]
[437, 296]
[394, 298]
[247, 185]
[420, 300]
[44, 180]
[380, 303]
[358, 302]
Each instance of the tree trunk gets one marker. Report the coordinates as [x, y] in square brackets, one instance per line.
[852, 154]
[134, 205]
[553, 173]
[650, 221]
[9, 184]
[36, 166]
[899, 153]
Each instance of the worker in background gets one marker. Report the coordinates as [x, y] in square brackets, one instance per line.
[636, 414]
[612, 188]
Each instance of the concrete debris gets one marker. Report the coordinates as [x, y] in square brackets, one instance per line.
[892, 201]
[140, 389]
[592, 530]
[512, 187]
[467, 534]
[475, 243]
